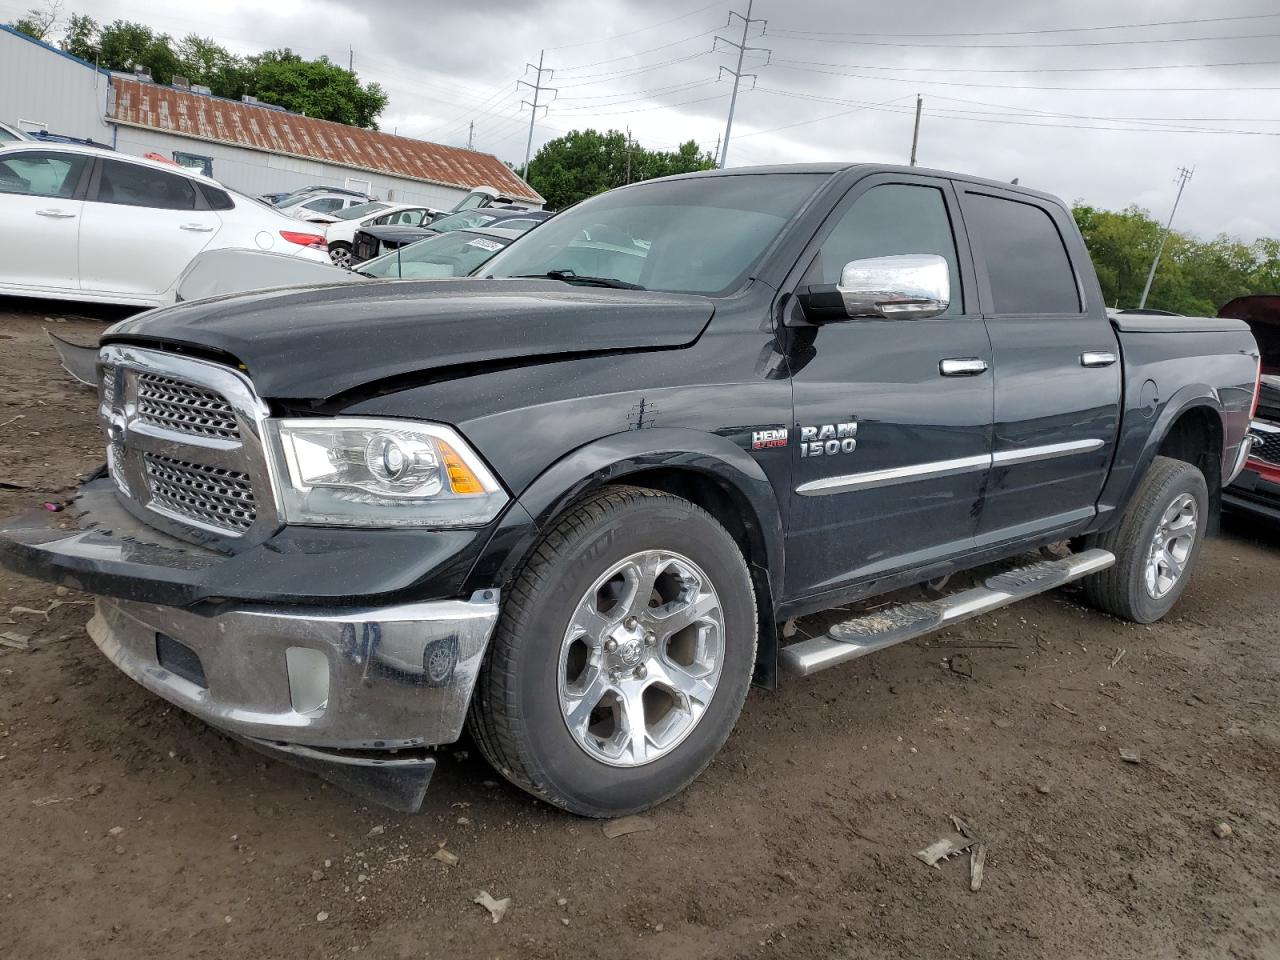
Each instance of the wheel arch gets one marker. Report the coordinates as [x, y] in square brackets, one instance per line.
[708, 470]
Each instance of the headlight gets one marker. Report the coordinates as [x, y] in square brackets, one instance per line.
[378, 473]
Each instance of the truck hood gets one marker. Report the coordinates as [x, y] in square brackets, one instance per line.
[313, 343]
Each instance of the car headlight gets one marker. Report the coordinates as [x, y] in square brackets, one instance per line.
[369, 472]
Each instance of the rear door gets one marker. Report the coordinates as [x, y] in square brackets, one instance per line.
[142, 226]
[40, 212]
[1057, 365]
[892, 439]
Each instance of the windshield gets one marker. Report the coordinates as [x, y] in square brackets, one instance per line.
[462, 221]
[360, 210]
[700, 235]
[455, 254]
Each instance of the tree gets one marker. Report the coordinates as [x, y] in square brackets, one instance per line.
[206, 62]
[80, 39]
[1194, 276]
[583, 163]
[123, 45]
[318, 88]
[39, 22]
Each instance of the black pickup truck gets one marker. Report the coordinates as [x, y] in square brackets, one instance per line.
[568, 504]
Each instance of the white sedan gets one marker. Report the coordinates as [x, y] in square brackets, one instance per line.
[82, 223]
[341, 232]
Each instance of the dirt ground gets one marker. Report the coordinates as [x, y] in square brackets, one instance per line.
[130, 830]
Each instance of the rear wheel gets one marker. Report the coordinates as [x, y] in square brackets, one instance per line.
[340, 255]
[1156, 544]
[622, 657]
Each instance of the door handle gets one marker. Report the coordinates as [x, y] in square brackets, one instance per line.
[54, 214]
[1097, 358]
[196, 228]
[962, 367]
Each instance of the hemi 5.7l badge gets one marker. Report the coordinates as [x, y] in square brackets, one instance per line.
[766, 439]
[828, 439]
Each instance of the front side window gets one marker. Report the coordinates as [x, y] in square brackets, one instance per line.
[891, 220]
[134, 185]
[696, 235]
[40, 173]
[1027, 264]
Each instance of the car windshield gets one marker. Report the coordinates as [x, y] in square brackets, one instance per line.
[462, 221]
[360, 210]
[697, 235]
[456, 254]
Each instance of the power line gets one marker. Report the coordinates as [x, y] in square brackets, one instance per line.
[1013, 33]
[1125, 69]
[788, 35]
[619, 36]
[638, 53]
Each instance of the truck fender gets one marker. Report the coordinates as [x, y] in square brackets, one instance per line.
[1131, 464]
[612, 459]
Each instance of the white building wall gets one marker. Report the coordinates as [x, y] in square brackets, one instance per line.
[255, 171]
[42, 88]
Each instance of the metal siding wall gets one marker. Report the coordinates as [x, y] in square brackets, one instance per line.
[254, 172]
[41, 86]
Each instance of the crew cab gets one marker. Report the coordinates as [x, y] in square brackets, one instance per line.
[567, 503]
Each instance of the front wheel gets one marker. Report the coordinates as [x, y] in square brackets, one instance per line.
[622, 657]
[1156, 544]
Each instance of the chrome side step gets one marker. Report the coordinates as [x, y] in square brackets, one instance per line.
[883, 628]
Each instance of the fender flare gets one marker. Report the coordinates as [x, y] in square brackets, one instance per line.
[1186, 398]
[612, 459]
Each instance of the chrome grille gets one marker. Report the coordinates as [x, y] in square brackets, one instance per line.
[213, 496]
[185, 408]
[108, 385]
[1266, 446]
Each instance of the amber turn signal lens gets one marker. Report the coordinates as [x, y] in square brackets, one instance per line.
[461, 479]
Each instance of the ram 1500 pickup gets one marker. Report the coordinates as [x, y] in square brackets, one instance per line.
[567, 504]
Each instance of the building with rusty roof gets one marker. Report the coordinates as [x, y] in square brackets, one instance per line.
[252, 147]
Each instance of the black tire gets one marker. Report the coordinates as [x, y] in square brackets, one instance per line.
[515, 716]
[1122, 589]
[338, 252]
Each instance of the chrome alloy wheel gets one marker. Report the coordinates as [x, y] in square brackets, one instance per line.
[641, 658]
[1171, 546]
[340, 257]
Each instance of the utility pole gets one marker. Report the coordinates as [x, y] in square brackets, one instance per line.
[537, 89]
[351, 59]
[1183, 176]
[737, 74]
[628, 180]
[471, 136]
[915, 136]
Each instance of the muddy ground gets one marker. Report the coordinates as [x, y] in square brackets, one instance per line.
[130, 830]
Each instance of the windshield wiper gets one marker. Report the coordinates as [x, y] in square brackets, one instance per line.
[568, 276]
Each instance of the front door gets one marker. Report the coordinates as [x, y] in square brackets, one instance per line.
[40, 211]
[1057, 367]
[893, 417]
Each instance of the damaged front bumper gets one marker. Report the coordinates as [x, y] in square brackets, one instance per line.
[353, 693]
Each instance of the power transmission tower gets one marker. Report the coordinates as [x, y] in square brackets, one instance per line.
[1183, 176]
[471, 136]
[737, 74]
[915, 135]
[537, 88]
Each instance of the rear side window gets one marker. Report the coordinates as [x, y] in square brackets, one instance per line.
[1026, 261]
[41, 174]
[217, 199]
[134, 185]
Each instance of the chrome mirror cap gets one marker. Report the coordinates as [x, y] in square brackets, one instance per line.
[913, 286]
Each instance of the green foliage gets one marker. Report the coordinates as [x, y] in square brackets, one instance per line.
[39, 23]
[1194, 276]
[583, 163]
[318, 88]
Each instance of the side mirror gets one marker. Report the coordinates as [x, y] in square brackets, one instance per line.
[913, 286]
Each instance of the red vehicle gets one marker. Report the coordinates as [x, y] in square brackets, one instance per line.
[1257, 489]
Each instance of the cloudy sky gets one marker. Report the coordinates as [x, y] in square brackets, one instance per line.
[1045, 92]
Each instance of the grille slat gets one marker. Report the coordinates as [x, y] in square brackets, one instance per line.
[185, 408]
[1267, 447]
[213, 496]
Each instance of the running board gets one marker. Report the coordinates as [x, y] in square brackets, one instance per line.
[883, 628]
